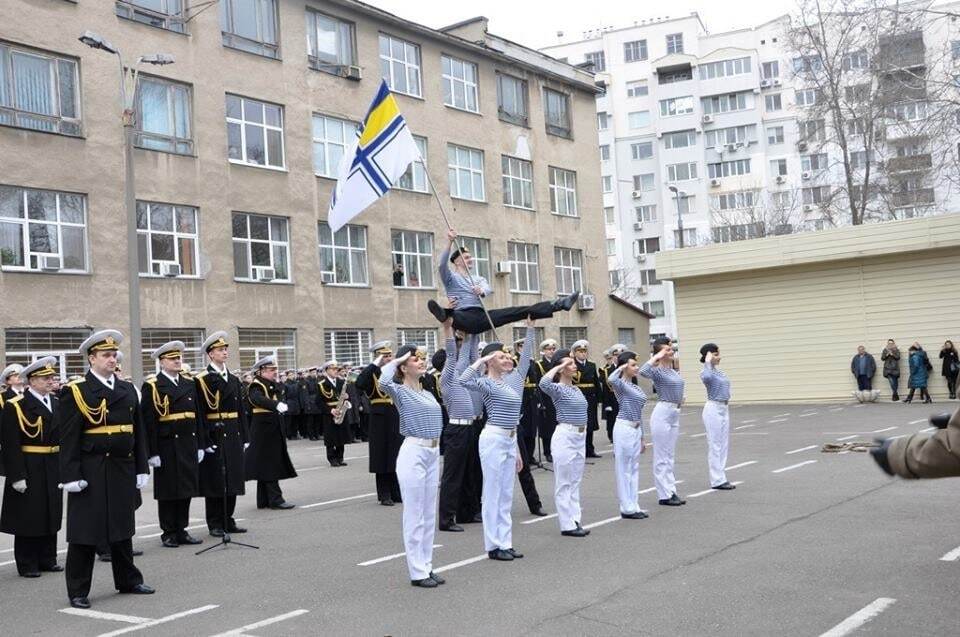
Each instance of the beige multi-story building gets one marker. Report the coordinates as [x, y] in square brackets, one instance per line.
[237, 149]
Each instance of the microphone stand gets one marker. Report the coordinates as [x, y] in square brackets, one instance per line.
[225, 540]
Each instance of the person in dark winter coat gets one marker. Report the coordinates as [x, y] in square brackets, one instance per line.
[891, 367]
[919, 373]
[951, 367]
[267, 460]
[863, 367]
[291, 396]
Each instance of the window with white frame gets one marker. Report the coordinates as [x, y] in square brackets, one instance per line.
[167, 234]
[738, 232]
[465, 172]
[556, 107]
[611, 247]
[770, 70]
[568, 263]
[813, 130]
[480, 250]
[857, 92]
[644, 182]
[682, 172]
[641, 150]
[690, 237]
[676, 106]
[674, 43]
[775, 134]
[604, 152]
[638, 119]
[679, 139]
[331, 43]
[261, 247]
[251, 25]
[348, 346]
[606, 184]
[773, 102]
[637, 88]
[563, 192]
[616, 278]
[635, 51]
[424, 338]
[597, 59]
[525, 270]
[460, 84]
[731, 135]
[163, 14]
[648, 277]
[815, 195]
[647, 246]
[331, 138]
[520, 333]
[675, 76]
[39, 91]
[807, 96]
[655, 308]
[512, 99]
[191, 354]
[254, 132]
[26, 345]
[728, 168]
[343, 254]
[724, 68]
[415, 178]
[816, 161]
[727, 103]
[570, 335]
[164, 114]
[782, 199]
[646, 213]
[603, 121]
[856, 60]
[43, 230]
[778, 167]
[626, 336]
[414, 251]
[734, 200]
[807, 64]
[908, 111]
[256, 342]
[400, 65]
[609, 215]
[517, 182]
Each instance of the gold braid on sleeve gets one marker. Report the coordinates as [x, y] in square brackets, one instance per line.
[26, 425]
[94, 415]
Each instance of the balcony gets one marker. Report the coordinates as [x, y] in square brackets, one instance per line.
[919, 197]
[901, 51]
[911, 163]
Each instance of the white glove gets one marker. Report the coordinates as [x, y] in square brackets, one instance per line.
[19, 486]
[142, 480]
[154, 461]
[282, 408]
[609, 409]
[75, 487]
[245, 445]
[210, 449]
[200, 455]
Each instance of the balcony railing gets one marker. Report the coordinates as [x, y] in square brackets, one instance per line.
[911, 163]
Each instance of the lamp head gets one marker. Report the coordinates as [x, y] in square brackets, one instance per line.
[95, 41]
[158, 59]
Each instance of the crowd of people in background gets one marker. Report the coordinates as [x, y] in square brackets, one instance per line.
[919, 368]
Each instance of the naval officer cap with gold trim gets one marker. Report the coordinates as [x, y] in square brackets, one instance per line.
[215, 340]
[102, 341]
[549, 342]
[581, 345]
[332, 363]
[266, 361]
[381, 348]
[45, 366]
[172, 349]
[10, 370]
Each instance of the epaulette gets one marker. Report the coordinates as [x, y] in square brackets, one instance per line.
[74, 383]
[202, 374]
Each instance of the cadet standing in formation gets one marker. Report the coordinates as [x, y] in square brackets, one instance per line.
[384, 428]
[527, 435]
[334, 436]
[665, 419]
[716, 416]
[587, 380]
[609, 405]
[291, 396]
[32, 501]
[311, 406]
[11, 379]
[175, 443]
[103, 463]
[546, 413]
[628, 435]
[222, 418]
[267, 460]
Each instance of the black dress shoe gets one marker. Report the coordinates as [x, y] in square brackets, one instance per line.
[577, 532]
[436, 578]
[106, 557]
[282, 505]
[428, 582]
[56, 568]
[186, 538]
[500, 555]
[387, 502]
[30, 574]
[216, 532]
[726, 486]
[80, 602]
[137, 552]
[879, 455]
[438, 312]
[139, 589]
[594, 455]
[170, 542]
[453, 527]
[548, 458]
[566, 303]
[342, 463]
[638, 515]
[517, 555]
[539, 512]
[236, 529]
[672, 501]
[477, 518]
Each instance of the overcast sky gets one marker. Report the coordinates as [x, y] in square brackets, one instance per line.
[535, 23]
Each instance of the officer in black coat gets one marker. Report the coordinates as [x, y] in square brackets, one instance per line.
[221, 413]
[103, 465]
[32, 501]
[311, 405]
[587, 379]
[175, 443]
[546, 413]
[292, 398]
[10, 380]
[384, 429]
[335, 436]
[267, 460]
[353, 418]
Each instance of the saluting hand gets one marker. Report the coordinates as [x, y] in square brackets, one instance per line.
[403, 358]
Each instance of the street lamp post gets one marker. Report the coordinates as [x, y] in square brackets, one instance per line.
[679, 194]
[127, 97]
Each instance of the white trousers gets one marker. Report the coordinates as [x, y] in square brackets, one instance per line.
[418, 472]
[716, 420]
[627, 446]
[569, 456]
[664, 429]
[498, 460]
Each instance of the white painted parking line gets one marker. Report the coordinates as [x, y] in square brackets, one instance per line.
[747, 422]
[699, 435]
[793, 466]
[952, 556]
[848, 437]
[880, 431]
[742, 464]
[860, 617]
[387, 558]
[812, 413]
[356, 457]
[706, 491]
[265, 622]
[299, 470]
[836, 409]
[860, 405]
[471, 560]
[900, 436]
[917, 422]
[601, 522]
[782, 415]
[98, 614]
[807, 448]
[776, 420]
[162, 620]
[338, 500]
[743, 427]
[540, 519]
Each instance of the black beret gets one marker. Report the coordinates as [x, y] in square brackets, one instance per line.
[491, 348]
[660, 341]
[407, 349]
[559, 355]
[709, 347]
[439, 359]
[625, 357]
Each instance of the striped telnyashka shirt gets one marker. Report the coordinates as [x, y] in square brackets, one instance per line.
[666, 381]
[459, 400]
[630, 397]
[458, 286]
[716, 382]
[420, 413]
[503, 398]
[569, 401]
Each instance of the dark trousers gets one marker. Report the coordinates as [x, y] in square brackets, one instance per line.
[174, 516]
[952, 386]
[546, 430]
[303, 425]
[864, 383]
[611, 419]
[217, 508]
[924, 394]
[894, 384]
[472, 489]
[473, 320]
[35, 554]
[268, 493]
[335, 454]
[79, 567]
[388, 487]
[527, 483]
[315, 426]
[456, 446]
[591, 450]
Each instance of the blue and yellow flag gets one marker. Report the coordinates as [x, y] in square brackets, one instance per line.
[382, 153]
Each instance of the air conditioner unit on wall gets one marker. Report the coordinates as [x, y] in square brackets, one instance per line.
[707, 119]
[638, 226]
[765, 84]
[587, 302]
[50, 264]
[637, 194]
[264, 274]
[806, 175]
[781, 179]
[170, 269]
[641, 258]
[327, 277]
[715, 183]
[643, 289]
[353, 73]
[504, 267]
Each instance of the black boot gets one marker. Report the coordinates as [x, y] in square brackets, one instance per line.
[896, 397]
[565, 304]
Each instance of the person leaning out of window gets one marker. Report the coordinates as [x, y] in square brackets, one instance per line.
[951, 367]
[863, 367]
[891, 367]
[919, 373]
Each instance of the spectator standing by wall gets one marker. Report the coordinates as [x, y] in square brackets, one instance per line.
[891, 367]
[919, 373]
[951, 367]
[863, 367]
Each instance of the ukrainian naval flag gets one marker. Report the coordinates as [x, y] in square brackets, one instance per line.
[382, 153]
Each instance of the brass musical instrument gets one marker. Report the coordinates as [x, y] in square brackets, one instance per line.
[342, 401]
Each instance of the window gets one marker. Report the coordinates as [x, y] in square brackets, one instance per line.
[525, 273]
[674, 43]
[638, 119]
[648, 277]
[400, 65]
[24, 346]
[609, 215]
[616, 278]
[859, 159]
[261, 243]
[570, 335]
[770, 70]
[807, 64]
[724, 68]
[655, 308]
[512, 99]
[648, 246]
[611, 247]
[908, 111]
[330, 43]
[625, 336]
[598, 60]
[726, 103]
[605, 152]
[676, 106]
[415, 178]
[690, 238]
[680, 139]
[250, 25]
[729, 168]
[163, 116]
[40, 226]
[738, 232]
[256, 342]
[643, 183]
[781, 200]
[460, 84]
[517, 182]
[735, 200]
[817, 161]
[556, 107]
[778, 167]
[637, 88]
[164, 14]
[815, 195]
[643, 150]
[682, 172]
[731, 135]
[856, 126]
[520, 333]
[773, 102]
[563, 192]
[167, 234]
[343, 255]
[635, 51]
[414, 251]
[807, 97]
[348, 346]
[672, 77]
[331, 137]
[480, 249]
[39, 91]
[603, 121]
[646, 213]
[465, 172]
[856, 60]
[606, 183]
[775, 134]
[254, 132]
[421, 337]
[152, 338]
[812, 130]
[857, 92]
